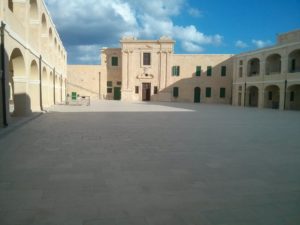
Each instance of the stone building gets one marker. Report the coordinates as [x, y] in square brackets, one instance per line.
[149, 70]
[269, 77]
[33, 59]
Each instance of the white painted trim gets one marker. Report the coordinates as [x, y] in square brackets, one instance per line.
[33, 81]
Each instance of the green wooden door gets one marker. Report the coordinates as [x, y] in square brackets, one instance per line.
[117, 93]
[197, 93]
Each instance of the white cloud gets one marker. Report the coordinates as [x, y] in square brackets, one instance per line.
[195, 12]
[191, 47]
[260, 43]
[103, 23]
[241, 44]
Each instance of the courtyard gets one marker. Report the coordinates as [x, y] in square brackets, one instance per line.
[117, 163]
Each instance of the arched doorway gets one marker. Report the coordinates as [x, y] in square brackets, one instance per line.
[44, 87]
[51, 89]
[252, 98]
[34, 86]
[34, 28]
[272, 97]
[18, 99]
[197, 95]
[293, 97]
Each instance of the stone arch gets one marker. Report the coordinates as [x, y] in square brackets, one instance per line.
[252, 96]
[33, 10]
[18, 98]
[17, 63]
[294, 61]
[253, 67]
[34, 71]
[293, 97]
[50, 34]
[273, 64]
[272, 97]
[45, 84]
[34, 86]
[44, 24]
[50, 88]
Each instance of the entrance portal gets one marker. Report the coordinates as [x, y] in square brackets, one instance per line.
[146, 92]
[117, 93]
[197, 94]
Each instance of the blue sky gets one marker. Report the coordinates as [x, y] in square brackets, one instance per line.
[210, 26]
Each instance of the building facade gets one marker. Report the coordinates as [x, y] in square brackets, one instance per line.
[33, 59]
[270, 77]
[148, 70]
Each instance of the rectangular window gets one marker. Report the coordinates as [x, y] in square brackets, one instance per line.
[222, 92]
[208, 92]
[109, 84]
[270, 97]
[240, 88]
[241, 62]
[198, 71]
[292, 96]
[146, 59]
[114, 61]
[136, 89]
[155, 90]
[223, 71]
[119, 83]
[176, 71]
[175, 92]
[109, 90]
[209, 71]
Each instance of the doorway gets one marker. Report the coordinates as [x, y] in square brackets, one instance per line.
[146, 92]
[117, 93]
[197, 94]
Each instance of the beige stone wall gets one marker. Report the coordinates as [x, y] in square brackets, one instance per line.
[289, 37]
[85, 80]
[159, 73]
[187, 81]
[36, 60]
[112, 73]
[276, 81]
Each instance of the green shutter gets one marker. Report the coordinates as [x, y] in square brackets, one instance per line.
[114, 61]
[222, 92]
[198, 71]
[209, 70]
[173, 71]
[208, 92]
[175, 92]
[223, 71]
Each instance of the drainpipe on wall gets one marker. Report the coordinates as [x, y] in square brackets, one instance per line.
[3, 74]
[41, 87]
[284, 100]
[245, 94]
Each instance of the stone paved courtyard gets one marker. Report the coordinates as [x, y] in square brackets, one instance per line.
[115, 163]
